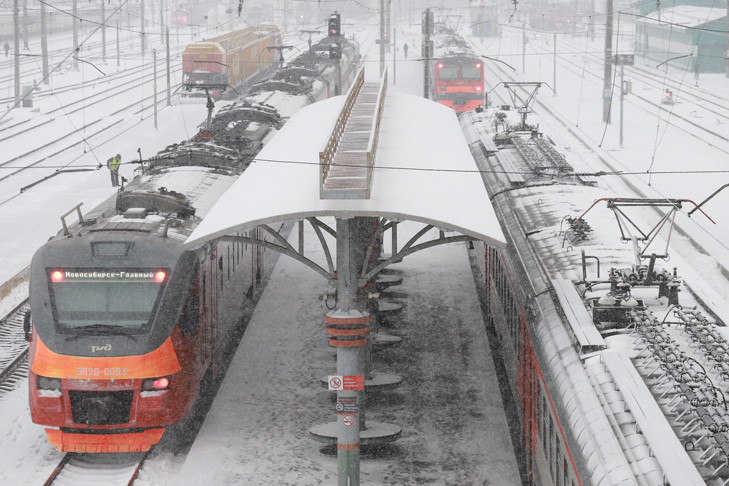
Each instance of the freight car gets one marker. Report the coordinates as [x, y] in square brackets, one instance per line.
[230, 60]
[125, 324]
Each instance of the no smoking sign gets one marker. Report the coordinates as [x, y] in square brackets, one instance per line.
[346, 382]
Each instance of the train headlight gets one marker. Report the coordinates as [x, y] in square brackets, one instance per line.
[45, 383]
[156, 384]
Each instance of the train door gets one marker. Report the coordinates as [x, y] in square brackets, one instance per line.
[209, 295]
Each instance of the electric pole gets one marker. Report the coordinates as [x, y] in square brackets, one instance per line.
[44, 43]
[74, 20]
[16, 52]
[607, 76]
[103, 32]
[382, 37]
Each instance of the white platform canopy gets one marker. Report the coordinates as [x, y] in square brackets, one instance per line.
[424, 172]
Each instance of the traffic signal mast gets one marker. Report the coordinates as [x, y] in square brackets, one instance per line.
[335, 25]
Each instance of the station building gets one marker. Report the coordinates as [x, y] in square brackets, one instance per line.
[685, 35]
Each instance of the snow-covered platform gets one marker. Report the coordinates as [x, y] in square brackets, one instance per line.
[449, 406]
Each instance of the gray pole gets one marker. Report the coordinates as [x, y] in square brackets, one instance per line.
[523, 44]
[103, 32]
[622, 91]
[118, 52]
[726, 69]
[144, 37]
[388, 12]
[44, 43]
[394, 57]
[25, 24]
[592, 22]
[16, 51]
[427, 51]
[74, 20]
[554, 77]
[349, 359]
[607, 76]
[382, 37]
[167, 38]
[337, 77]
[154, 84]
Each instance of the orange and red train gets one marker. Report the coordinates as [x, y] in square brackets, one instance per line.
[126, 323]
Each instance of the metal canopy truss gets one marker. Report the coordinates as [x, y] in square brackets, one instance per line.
[413, 245]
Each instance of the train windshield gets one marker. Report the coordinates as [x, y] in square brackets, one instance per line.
[448, 73]
[105, 300]
[470, 73]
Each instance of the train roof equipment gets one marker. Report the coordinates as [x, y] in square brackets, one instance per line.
[626, 357]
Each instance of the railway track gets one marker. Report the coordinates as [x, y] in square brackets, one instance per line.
[709, 101]
[13, 349]
[699, 99]
[119, 469]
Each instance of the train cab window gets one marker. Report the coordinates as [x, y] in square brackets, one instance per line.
[470, 73]
[111, 248]
[448, 73]
[105, 300]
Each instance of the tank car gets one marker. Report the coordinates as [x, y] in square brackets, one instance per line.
[125, 323]
[615, 366]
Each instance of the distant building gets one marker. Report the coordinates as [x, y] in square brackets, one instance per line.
[691, 36]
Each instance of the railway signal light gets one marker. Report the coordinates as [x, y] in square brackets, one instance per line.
[335, 24]
[335, 51]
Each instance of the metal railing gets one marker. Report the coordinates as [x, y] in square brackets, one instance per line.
[375, 133]
[354, 156]
[326, 157]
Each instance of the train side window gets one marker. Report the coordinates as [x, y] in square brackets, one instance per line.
[190, 318]
[545, 411]
[549, 446]
[220, 270]
[566, 472]
[557, 461]
[203, 292]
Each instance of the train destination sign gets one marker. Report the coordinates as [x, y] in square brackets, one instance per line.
[88, 275]
[346, 382]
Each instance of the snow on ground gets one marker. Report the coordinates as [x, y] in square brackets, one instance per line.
[256, 432]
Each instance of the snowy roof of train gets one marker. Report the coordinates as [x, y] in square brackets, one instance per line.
[426, 174]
